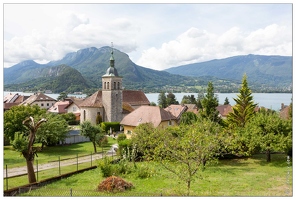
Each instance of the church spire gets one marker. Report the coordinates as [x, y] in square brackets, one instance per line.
[112, 61]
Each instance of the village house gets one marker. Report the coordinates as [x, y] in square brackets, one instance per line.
[284, 111]
[159, 117]
[224, 110]
[40, 99]
[176, 111]
[111, 103]
[11, 99]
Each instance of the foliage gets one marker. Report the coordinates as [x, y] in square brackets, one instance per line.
[120, 137]
[243, 110]
[162, 102]
[270, 132]
[145, 139]
[199, 99]
[53, 131]
[171, 99]
[94, 133]
[188, 118]
[70, 118]
[115, 126]
[188, 99]
[209, 104]
[187, 152]
[226, 101]
[14, 117]
[62, 96]
[20, 142]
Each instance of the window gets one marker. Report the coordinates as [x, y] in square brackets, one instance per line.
[42, 104]
[74, 108]
[107, 85]
[169, 123]
[114, 86]
[47, 104]
[104, 85]
[84, 113]
[118, 85]
[129, 132]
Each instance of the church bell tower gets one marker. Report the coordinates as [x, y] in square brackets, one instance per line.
[112, 93]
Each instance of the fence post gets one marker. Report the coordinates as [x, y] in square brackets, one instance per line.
[6, 178]
[37, 169]
[91, 159]
[70, 192]
[59, 166]
[77, 161]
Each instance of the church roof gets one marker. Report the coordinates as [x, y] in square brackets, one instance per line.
[95, 100]
[132, 97]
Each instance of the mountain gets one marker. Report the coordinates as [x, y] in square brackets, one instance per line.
[271, 71]
[265, 73]
[57, 79]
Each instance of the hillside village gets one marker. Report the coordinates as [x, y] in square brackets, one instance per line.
[112, 103]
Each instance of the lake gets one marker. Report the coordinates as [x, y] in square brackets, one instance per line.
[267, 100]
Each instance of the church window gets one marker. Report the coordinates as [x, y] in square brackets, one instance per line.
[114, 86]
[118, 85]
[104, 85]
[84, 113]
[107, 85]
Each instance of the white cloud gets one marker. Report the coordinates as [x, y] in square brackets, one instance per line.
[196, 45]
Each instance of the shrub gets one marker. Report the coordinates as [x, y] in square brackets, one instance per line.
[103, 141]
[120, 137]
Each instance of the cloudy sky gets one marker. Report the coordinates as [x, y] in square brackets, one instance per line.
[156, 36]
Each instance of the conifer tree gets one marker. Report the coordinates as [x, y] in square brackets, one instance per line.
[244, 109]
[209, 104]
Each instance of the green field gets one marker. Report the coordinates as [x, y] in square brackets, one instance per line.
[251, 176]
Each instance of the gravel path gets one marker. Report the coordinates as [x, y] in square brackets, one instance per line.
[23, 170]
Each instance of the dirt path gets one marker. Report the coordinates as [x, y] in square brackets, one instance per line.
[17, 171]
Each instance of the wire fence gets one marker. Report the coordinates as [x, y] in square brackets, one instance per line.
[15, 177]
[69, 192]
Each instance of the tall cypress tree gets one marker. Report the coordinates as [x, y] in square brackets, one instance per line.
[244, 109]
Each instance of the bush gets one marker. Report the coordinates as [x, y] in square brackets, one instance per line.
[120, 137]
[144, 172]
[103, 141]
[106, 167]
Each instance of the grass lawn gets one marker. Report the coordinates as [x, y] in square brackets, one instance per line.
[237, 177]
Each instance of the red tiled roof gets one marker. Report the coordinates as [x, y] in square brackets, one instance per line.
[37, 97]
[224, 109]
[132, 97]
[147, 114]
[59, 107]
[176, 110]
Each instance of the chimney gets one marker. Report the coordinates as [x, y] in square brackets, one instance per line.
[282, 106]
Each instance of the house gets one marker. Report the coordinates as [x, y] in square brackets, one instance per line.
[112, 103]
[192, 108]
[40, 99]
[284, 111]
[68, 105]
[224, 110]
[177, 111]
[74, 106]
[159, 117]
[12, 100]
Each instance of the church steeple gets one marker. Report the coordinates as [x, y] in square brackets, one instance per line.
[111, 71]
[112, 61]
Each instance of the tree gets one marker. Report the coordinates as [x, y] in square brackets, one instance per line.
[270, 132]
[209, 104]
[13, 119]
[70, 118]
[199, 98]
[62, 96]
[24, 144]
[162, 102]
[244, 109]
[188, 99]
[185, 150]
[54, 131]
[188, 118]
[226, 101]
[171, 99]
[94, 133]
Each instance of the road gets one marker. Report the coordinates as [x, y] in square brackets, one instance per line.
[17, 171]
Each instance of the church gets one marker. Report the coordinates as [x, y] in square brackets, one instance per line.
[111, 103]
